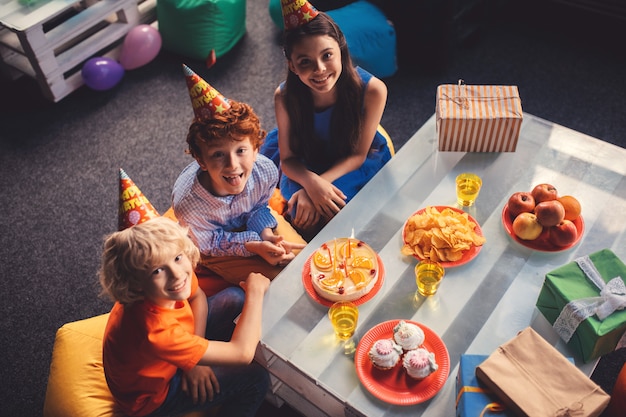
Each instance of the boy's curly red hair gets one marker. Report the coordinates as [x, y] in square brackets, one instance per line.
[236, 123]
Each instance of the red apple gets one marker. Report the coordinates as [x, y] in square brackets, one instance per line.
[549, 213]
[526, 226]
[521, 202]
[563, 234]
[544, 192]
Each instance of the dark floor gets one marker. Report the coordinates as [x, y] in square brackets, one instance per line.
[269, 410]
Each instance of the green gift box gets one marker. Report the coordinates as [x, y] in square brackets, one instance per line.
[570, 297]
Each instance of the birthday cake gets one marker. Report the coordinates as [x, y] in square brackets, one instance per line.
[344, 269]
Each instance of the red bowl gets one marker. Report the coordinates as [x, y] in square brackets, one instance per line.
[541, 243]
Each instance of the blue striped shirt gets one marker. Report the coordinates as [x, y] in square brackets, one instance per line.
[220, 226]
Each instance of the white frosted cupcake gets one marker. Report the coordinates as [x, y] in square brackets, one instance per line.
[408, 335]
[385, 354]
[419, 363]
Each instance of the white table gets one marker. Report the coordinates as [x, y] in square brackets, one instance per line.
[479, 305]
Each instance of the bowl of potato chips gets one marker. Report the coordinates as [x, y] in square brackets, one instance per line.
[443, 234]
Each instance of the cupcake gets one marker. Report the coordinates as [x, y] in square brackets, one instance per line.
[408, 335]
[419, 363]
[385, 354]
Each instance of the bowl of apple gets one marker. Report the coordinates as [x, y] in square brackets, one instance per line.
[543, 220]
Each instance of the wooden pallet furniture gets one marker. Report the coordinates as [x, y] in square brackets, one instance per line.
[50, 40]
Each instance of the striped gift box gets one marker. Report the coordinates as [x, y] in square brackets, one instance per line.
[478, 118]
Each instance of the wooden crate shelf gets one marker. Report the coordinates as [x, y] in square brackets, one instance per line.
[51, 44]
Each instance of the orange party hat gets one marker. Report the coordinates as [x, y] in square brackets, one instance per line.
[297, 13]
[134, 206]
[205, 100]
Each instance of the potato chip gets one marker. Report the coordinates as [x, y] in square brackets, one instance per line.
[441, 236]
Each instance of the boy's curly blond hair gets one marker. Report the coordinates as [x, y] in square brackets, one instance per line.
[130, 255]
[236, 123]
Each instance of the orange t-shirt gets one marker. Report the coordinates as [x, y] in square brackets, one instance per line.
[143, 346]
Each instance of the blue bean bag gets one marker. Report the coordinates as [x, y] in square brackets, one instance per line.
[193, 28]
[370, 36]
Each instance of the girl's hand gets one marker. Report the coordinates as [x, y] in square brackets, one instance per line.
[327, 198]
[306, 215]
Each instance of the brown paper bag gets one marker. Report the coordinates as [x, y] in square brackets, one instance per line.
[534, 379]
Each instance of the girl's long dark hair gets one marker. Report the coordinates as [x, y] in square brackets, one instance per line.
[346, 121]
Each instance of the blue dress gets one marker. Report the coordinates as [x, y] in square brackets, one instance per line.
[351, 182]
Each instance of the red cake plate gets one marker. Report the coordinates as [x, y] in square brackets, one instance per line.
[308, 285]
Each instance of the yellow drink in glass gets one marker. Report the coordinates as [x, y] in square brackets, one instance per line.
[467, 188]
[428, 276]
[344, 316]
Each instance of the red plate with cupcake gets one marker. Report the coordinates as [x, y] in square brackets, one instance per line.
[395, 386]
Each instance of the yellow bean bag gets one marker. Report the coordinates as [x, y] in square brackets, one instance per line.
[383, 132]
[76, 384]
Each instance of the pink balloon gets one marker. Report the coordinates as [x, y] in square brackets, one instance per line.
[141, 45]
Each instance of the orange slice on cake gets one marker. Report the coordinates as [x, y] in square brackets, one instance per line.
[335, 280]
[346, 249]
[322, 261]
[358, 278]
[362, 262]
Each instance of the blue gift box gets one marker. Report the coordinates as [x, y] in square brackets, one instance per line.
[472, 396]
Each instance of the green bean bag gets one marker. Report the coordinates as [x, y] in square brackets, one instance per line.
[193, 28]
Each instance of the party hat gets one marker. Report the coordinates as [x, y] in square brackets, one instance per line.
[297, 13]
[205, 100]
[134, 206]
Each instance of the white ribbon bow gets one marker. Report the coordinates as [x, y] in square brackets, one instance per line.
[612, 297]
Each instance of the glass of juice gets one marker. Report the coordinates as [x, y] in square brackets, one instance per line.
[467, 188]
[344, 316]
[428, 276]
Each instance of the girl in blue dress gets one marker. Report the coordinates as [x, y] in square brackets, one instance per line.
[327, 113]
